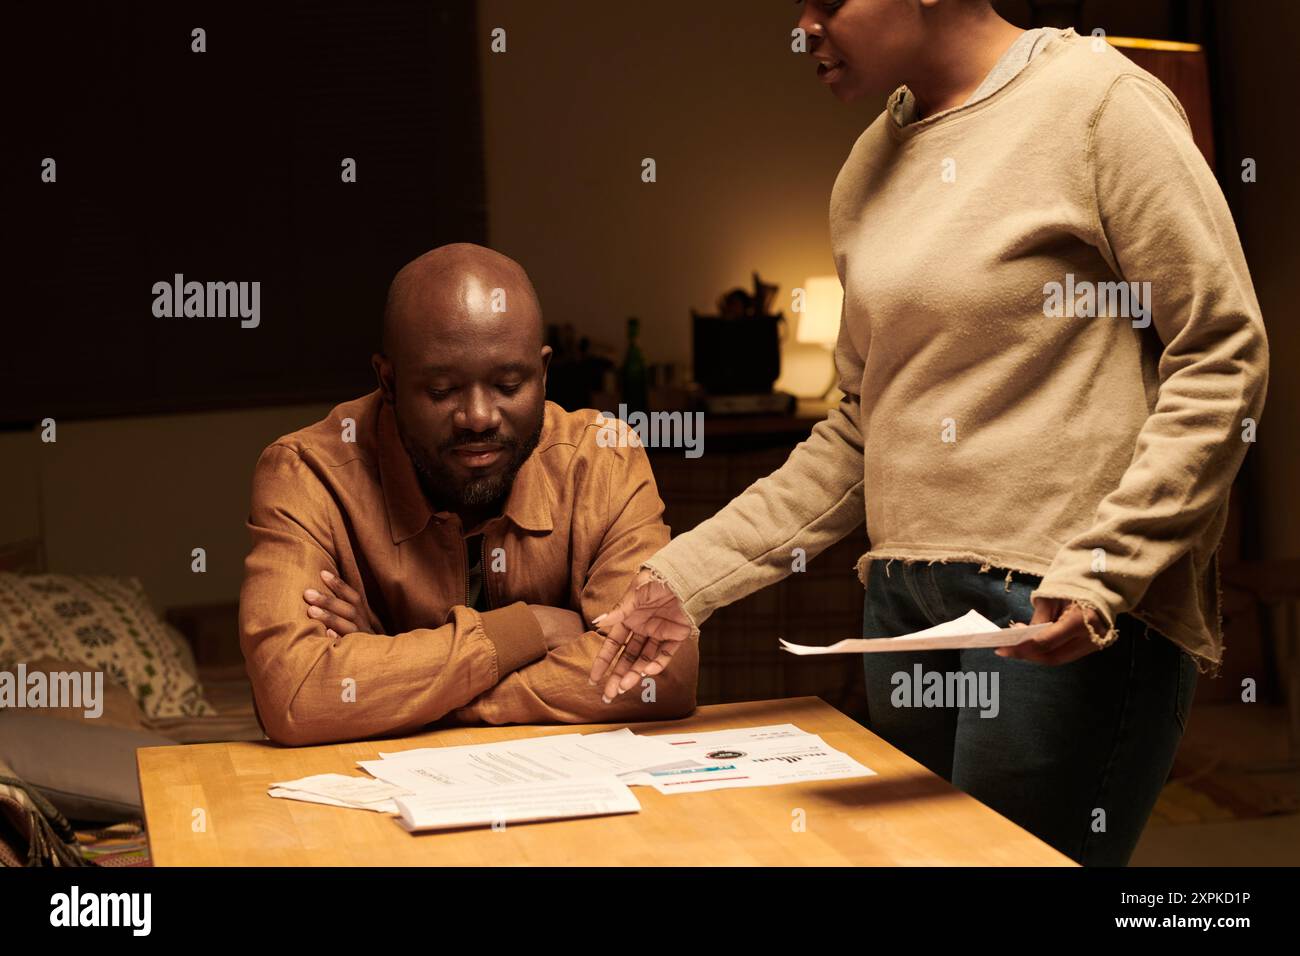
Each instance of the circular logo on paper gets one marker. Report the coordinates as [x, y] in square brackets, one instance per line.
[724, 754]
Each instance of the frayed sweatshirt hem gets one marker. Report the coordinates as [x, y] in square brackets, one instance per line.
[986, 563]
[662, 578]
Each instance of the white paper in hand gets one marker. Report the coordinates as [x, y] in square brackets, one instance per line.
[972, 629]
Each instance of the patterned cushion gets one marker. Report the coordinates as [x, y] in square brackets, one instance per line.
[103, 623]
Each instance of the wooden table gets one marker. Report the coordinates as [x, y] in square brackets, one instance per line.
[904, 816]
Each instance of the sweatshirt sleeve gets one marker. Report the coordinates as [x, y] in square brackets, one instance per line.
[556, 688]
[310, 689]
[812, 501]
[1162, 219]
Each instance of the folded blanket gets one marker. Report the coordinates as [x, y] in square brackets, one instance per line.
[32, 832]
[119, 845]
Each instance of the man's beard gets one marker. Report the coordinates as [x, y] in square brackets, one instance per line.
[445, 489]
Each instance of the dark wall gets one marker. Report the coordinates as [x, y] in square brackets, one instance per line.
[1152, 19]
[226, 166]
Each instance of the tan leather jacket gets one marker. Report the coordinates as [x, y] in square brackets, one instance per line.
[578, 522]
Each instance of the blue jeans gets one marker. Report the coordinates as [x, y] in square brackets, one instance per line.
[1076, 754]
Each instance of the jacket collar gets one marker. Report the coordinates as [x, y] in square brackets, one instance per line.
[528, 504]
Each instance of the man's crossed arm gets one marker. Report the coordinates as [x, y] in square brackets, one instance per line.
[515, 664]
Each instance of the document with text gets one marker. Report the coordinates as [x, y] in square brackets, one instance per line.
[559, 776]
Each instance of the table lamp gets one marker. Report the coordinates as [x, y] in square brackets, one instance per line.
[819, 322]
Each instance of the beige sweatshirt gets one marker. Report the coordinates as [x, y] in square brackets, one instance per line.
[1051, 353]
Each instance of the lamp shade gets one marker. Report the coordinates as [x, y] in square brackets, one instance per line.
[820, 320]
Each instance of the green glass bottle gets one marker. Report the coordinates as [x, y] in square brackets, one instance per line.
[635, 392]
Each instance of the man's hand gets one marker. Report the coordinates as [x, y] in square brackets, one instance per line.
[559, 625]
[648, 625]
[1066, 641]
[340, 608]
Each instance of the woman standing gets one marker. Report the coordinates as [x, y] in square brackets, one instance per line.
[1052, 361]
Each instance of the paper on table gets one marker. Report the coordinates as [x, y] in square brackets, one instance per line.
[617, 751]
[350, 791]
[383, 806]
[418, 752]
[612, 751]
[534, 759]
[748, 757]
[972, 629]
[340, 790]
[734, 735]
[825, 764]
[683, 745]
[538, 760]
[447, 807]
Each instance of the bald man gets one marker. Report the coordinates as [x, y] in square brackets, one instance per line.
[430, 552]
